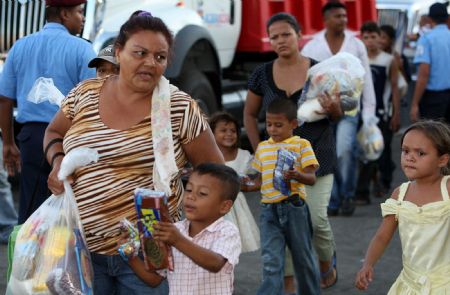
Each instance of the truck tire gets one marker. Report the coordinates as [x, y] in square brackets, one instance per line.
[197, 85]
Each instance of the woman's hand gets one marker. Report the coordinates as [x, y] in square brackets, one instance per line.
[55, 185]
[331, 105]
[364, 277]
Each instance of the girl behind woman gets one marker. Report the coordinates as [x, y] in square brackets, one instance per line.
[227, 132]
[421, 210]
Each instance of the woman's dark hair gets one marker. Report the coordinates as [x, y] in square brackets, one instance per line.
[389, 31]
[142, 20]
[227, 118]
[439, 133]
[283, 17]
[332, 5]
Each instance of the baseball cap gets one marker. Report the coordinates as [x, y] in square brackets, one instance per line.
[59, 3]
[438, 11]
[107, 54]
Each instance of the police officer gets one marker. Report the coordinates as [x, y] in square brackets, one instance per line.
[431, 97]
[53, 52]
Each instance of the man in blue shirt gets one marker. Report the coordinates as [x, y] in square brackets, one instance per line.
[431, 97]
[53, 52]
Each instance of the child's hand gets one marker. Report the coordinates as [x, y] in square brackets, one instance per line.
[167, 232]
[364, 277]
[291, 174]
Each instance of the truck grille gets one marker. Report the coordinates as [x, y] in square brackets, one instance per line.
[19, 18]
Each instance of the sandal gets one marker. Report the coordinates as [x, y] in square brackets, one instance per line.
[326, 275]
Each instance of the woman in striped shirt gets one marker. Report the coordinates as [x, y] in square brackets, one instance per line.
[117, 116]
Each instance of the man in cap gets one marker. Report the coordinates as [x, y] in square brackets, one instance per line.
[431, 97]
[105, 63]
[53, 52]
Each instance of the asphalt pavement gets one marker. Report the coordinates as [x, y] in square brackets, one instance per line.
[352, 236]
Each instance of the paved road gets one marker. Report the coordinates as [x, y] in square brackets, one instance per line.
[352, 235]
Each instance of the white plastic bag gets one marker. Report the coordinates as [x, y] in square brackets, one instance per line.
[50, 254]
[370, 139]
[402, 85]
[44, 90]
[342, 74]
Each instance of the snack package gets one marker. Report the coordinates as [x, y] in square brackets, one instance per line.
[341, 74]
[131, 247]
[50, 254]
[151, 207]
[285, 161]
[370, 139]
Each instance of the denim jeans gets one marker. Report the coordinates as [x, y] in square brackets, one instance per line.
[113, 276]
[346, 170]
[284, 224]
[8, 214]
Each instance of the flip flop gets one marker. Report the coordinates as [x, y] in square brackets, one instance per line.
[333, 268]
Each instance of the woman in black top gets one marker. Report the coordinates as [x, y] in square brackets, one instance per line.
[284, 78]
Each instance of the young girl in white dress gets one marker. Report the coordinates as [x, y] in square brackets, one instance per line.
[226, 132]
[421, 210]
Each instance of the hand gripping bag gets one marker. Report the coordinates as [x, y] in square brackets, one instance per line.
[50, 253]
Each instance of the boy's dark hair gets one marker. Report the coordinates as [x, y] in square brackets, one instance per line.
[283, 106]
[283, 17]
[370, 27]
[438, 132]
[227, 118]
[332, 5]
[389, 31]
[231, 184]
[141, 20]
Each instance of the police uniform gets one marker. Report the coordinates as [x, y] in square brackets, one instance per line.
[434, 49]
[52, 53]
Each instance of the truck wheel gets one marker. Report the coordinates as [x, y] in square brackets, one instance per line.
[198, 87]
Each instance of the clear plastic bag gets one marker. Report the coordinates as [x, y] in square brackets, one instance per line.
[371, 141]
[342, 74]
[50, 254]
[44, 90]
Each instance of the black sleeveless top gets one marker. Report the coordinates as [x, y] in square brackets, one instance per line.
[320, 133]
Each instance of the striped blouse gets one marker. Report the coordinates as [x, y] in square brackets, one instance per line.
[104, 190]
[266, 158]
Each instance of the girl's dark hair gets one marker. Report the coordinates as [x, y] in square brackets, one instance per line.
[141, 20]
[389, 31]
[283, 17]
[227, 118]
[439, 133]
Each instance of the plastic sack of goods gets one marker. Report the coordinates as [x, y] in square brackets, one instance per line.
[50, 254]
[341, 74]
[370, 139]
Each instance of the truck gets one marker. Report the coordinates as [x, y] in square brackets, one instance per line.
[217, 42]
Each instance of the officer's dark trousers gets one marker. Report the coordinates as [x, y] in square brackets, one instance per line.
[34, 174]
[435, 105]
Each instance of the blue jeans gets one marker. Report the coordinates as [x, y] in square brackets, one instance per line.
[112, 275]
[284, 224]
[346, 169]
[8, 214]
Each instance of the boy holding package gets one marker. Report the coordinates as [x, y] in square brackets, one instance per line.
[285, 218]
[205, 246]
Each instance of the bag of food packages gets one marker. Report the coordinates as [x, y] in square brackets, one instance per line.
[341, 74]
[151, 207]
[50, 253]
[370, 139]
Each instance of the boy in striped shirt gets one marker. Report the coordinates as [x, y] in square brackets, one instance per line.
[285, 219]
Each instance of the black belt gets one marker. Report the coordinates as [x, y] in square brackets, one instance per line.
[294, 200]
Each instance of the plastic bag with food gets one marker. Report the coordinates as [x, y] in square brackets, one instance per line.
[50, 254]
[342, 74]
[370, 139]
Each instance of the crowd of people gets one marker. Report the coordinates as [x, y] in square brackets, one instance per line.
[146, 131]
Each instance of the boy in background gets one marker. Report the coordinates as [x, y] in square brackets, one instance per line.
[105, 63]
[385, 73]
[205, 246]
[285, 220]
